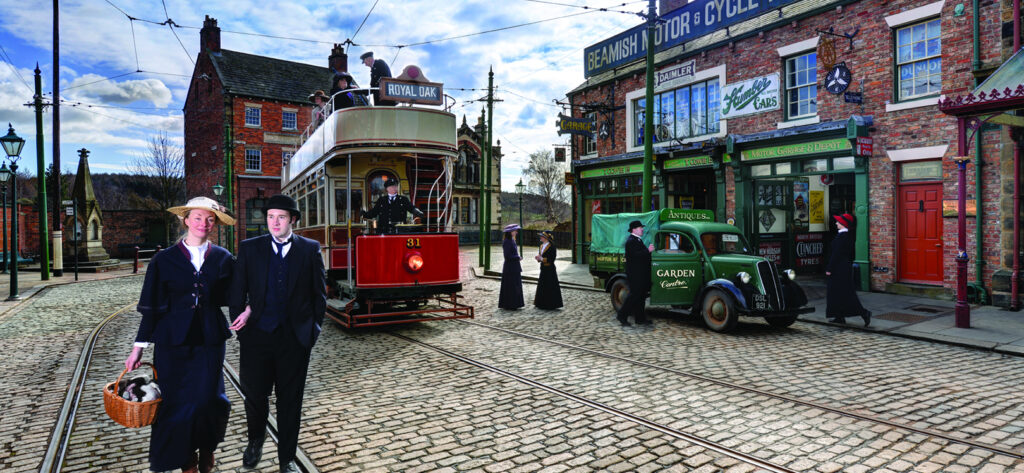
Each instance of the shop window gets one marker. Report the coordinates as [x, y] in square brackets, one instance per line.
[761, 170]
[288, 121]
[783, 168]
[815, 165]
[590, 144]
[472, 211]
[613, 186]
[465, 210]
[252, 116]
[843, 163]
[602, 186]
[801, 86]
[253, 160]
[638, 121]
[685, 112]
[919, 60]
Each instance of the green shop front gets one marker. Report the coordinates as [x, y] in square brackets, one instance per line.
[611, 185]
[789, 184]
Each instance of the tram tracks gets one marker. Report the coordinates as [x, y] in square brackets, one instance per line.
[57, 449]
[783, 397]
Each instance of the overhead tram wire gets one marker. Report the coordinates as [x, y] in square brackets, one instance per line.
[506, 89]
[10, 62]
[364, 22]
[585, 7]
[170, 25]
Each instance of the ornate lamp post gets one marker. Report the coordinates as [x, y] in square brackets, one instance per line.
[962, 317]
[519, 190]
[12, 146]
[5, 174]
[217, 191]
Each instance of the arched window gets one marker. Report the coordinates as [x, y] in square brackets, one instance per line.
[94, 230]
[375, 183]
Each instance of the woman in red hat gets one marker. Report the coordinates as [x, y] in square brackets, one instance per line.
[841, 295]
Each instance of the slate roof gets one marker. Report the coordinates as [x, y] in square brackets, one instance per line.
[266, 77]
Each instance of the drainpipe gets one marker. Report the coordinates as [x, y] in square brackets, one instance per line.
[1014, 285]
[979, 260]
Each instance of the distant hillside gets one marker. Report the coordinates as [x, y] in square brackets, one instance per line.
[533, 211]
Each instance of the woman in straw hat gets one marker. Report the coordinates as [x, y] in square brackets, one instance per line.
[841, 295]
[181, 302]
[511, 295]
[549, 295]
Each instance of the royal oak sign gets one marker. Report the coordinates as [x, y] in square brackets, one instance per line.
[429, 93]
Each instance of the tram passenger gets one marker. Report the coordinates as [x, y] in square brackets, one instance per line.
[511, 294]
[378, 70]
[344, 97]
[319, 112]
[280, 282]
[390, 209]
[549, 294]
[181, 302]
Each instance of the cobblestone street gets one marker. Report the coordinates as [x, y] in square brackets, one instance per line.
[833, 399]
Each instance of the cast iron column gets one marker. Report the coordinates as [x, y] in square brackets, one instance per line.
[963, 311]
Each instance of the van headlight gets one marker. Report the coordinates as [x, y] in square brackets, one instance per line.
[790, 274]
[744, 277]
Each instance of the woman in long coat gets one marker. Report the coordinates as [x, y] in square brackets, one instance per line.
[841, 297]
[511, 295]
[181, 302]
[549, 295]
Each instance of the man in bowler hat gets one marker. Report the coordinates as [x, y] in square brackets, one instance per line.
[638, 273]
[390, 208]
[280, 283]
[378, 70]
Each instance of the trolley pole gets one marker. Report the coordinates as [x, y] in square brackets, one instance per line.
[649, 109]
[58, 244]
[44, 250]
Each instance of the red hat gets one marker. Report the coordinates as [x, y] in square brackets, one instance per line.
[845, 220]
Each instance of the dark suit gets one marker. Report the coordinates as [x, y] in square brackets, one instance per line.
[390, 212]
[638, 272]
[278, 359]
[379, 70]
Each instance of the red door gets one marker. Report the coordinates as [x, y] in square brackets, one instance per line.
[920, 234]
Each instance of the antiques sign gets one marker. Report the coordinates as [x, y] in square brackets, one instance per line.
[757, 95]
[687, 215]
[576, 126]
[674, 75]
[695, 19]
[430, 93]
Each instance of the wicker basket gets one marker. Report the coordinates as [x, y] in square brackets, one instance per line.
[127, 413]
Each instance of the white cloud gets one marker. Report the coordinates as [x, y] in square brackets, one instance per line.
[121, 93]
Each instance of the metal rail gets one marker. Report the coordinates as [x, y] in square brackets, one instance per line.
[784, 397]
[714, 446]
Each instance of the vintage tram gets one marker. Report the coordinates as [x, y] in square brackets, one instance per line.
[342, 167]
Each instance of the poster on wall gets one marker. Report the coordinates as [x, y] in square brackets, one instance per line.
[801, 214]
[756, 95]
[817, 207]
[595, 206]
[771, 251]
[810, 248]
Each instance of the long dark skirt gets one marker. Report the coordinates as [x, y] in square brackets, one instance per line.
[194, 412]
[841, 295]
[549, 295]
[511, 295]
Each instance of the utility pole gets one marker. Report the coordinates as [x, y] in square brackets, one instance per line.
[649, 109]
[487, 167]
[58, 244]
[44, 250]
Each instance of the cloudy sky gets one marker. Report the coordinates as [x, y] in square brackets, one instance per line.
[114, 118]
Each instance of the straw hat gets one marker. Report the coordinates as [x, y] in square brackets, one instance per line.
[204, 203]
[511, 228]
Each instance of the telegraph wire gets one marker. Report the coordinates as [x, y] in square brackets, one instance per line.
[506, 89]
[170, 25]
[585, 7]
[364, 21]
[10, 63]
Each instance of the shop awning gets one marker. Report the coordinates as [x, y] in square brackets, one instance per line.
[1002, 92]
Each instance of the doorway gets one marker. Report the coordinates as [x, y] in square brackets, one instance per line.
[920, 233]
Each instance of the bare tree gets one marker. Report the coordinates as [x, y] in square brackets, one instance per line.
[547, 179]
[163, 167]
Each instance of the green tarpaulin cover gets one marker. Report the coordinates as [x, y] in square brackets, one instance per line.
[608, 232]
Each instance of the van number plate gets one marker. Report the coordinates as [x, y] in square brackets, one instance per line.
[761, 302]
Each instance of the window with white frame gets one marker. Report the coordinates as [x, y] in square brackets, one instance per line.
[590, 144]
[288, 121]
[919, 59]
[252, 116]
[253, 160]
[692, 110]
[286, 156]
[801, 85]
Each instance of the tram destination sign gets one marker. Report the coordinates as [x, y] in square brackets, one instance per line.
[429, 93]
[678, 26]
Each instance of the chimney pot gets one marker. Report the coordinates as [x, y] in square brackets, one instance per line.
[209, 36]
[338, 60]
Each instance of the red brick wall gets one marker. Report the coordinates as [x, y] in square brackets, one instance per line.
[131, 227]
[204, 131]
[870, 59]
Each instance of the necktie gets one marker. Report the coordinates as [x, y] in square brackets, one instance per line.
[280, 247]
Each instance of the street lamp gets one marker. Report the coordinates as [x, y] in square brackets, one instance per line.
[519, 190]
[5, 174]
[12, 146]
[217, 191]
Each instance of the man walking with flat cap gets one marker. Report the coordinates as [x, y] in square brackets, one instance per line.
[280, 283]
[638, 273]
[390, 209]
[378, 70]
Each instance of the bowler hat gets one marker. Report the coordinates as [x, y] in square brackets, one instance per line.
[282, 202]
[366, 55]
[204, 203]
[634, 224]
[845, 220]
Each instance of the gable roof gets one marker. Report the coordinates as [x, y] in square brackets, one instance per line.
[267, 77]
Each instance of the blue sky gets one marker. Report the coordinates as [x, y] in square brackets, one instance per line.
[535, 63]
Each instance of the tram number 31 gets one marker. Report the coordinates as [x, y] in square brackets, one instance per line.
[412, 242]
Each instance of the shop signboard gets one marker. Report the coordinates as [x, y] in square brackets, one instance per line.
[865, 146]
[691, 21]
[612, 171]
[576, 126]
[687, 215]
[786, 151]
[674, 75]
[689, 162]
[569, 179]
[771, 251]
[810, 248]
[760, 94]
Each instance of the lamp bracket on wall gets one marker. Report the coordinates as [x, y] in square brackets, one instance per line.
[831, 31]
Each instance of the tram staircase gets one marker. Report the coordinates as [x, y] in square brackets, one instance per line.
[426, 172]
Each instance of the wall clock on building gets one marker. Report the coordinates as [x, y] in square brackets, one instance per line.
[837, 79]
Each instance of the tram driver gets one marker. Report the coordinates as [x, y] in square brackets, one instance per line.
[390, 209]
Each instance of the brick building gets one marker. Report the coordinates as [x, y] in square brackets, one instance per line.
[466, 182]
[760, 119]
[244, 115]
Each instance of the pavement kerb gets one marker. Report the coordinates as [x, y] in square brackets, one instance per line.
[9, 308]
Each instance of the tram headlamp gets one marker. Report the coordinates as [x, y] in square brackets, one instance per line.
[414, 262]
[744, 277]
[790, 274]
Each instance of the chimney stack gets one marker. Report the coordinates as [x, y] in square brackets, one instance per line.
[209, 36]
[338, 60]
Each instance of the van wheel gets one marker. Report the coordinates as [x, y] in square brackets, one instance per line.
[781, 322]
[619, 291]
[718, 311]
